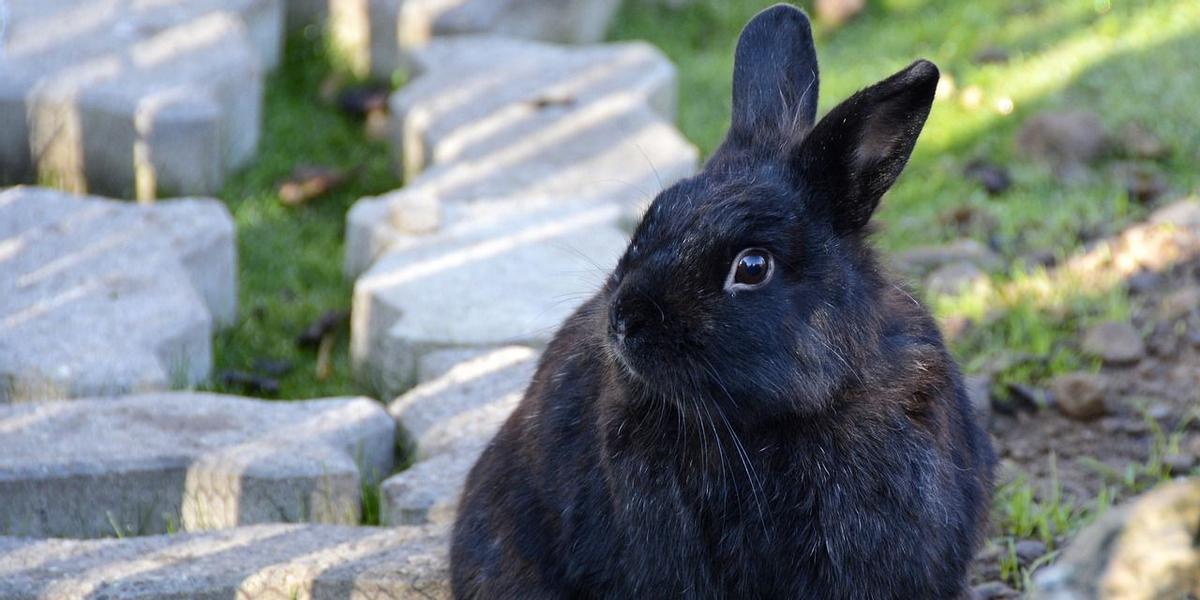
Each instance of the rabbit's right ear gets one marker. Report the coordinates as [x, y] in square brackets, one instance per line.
[774, 78]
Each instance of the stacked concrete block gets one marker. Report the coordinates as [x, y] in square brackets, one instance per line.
[448, 419]
[105, 297]
[315, 562]
[145, 464]
[377, 37]
[527, 163]
[133, 98]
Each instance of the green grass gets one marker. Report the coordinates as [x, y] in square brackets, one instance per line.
[1020, 512]
[290, 258]
[1026, 323]
[1128, 61]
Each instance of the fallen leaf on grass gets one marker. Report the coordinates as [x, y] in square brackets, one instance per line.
[310, 181]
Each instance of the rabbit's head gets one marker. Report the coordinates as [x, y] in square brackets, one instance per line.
[752, 282]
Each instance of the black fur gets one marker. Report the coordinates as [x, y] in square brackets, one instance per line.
[807, 439]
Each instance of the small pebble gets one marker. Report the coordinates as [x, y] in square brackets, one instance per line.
[994, 178]
[991, 55]
[1179, 464]
[1114, 342]
[1080, 395]
[1030, 550]
[993, 590]
[1143, 282]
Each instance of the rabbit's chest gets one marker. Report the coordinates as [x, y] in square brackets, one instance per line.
[769, 523]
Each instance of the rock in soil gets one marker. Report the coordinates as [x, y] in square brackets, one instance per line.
[1145, 549]
[1143, 182]
[1138, 142]
[954, 278]
[1116, 343]
[993, 590]
[1080, 395]
[994, 178]
[1020, 398]
[1030, 550]
[924, 259]
[1180, 303]
[1179, 464]
[1068, 139]
[1143, 282]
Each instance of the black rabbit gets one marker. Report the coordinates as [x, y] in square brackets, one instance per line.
[750, 407]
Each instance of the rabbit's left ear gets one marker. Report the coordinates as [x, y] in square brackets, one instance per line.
[859, 149]
[774, 78]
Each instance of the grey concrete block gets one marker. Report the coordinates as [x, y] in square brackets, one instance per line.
[315, 562]
[145, 464]
[449, 419]
[491, 280]
[302, 13]
[128, 99]
[477, 95]
[538, 123]
[377, 37]
[428, 492]
[562, 21]
[519, 154]
[466, 404]
[109, 297]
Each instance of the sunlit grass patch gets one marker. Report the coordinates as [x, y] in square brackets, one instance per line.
[1027, 325]
[1021, 512]
[1127, 61]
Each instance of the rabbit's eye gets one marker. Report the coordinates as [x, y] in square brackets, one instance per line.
[752, 268]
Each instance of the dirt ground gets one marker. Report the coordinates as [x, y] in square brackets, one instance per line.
[1152, 428]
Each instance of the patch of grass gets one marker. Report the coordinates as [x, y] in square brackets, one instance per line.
[1139, 477]
[372, 503]
[1028, 323]
[1020, 513]
[290, 258]
[1127, 61]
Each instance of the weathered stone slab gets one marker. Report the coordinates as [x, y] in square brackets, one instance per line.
[1143, 549]
[488, 281]
[532, 160]
[146, 464]
[377, 37]
[129, 98]
[262, 561]
[428, 491]
[478, 96]
[448, 420]
[466, 405]
[109, 297]
[541, 124]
